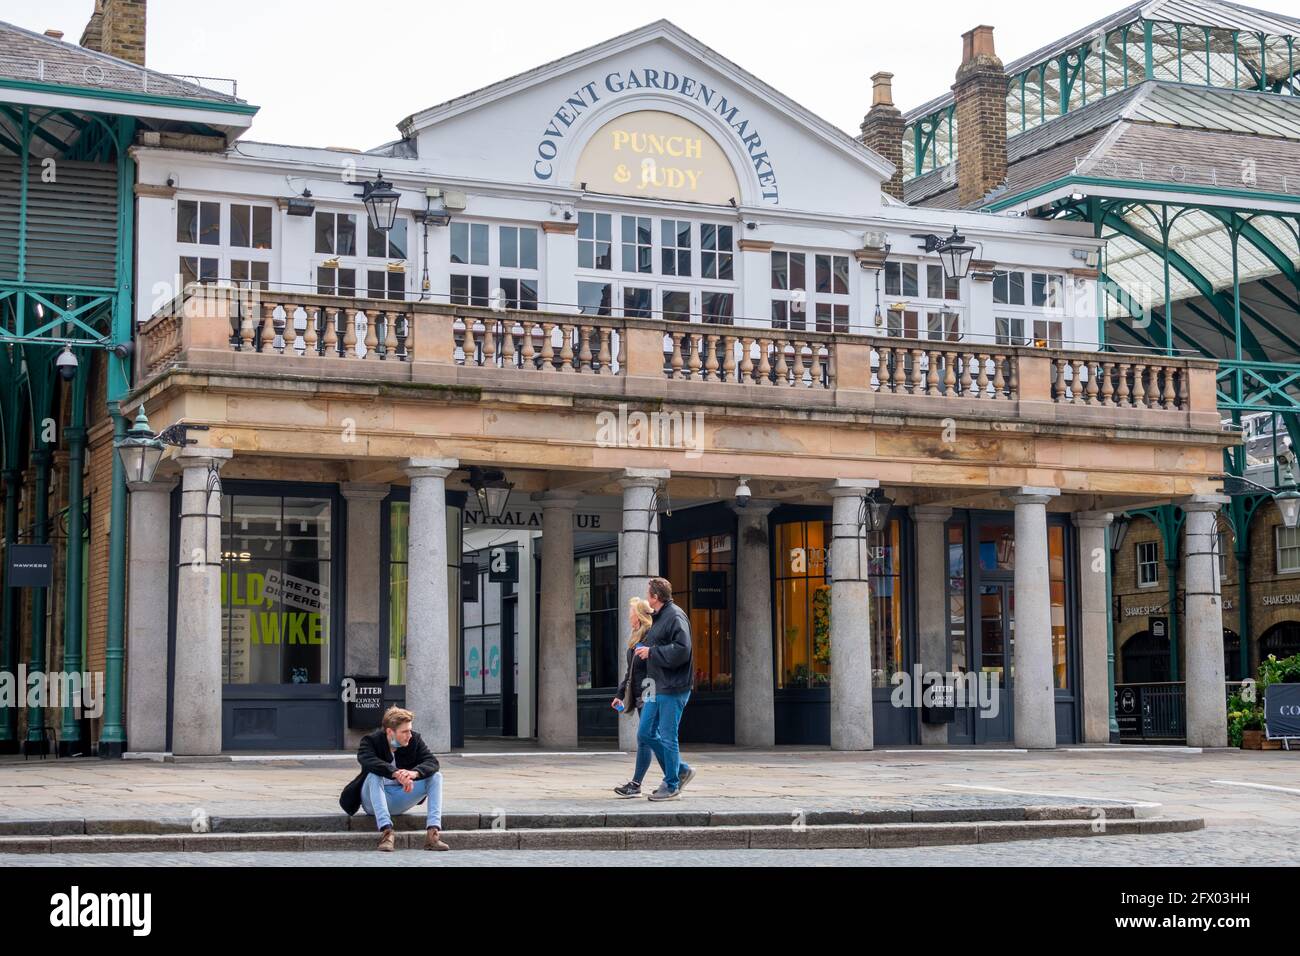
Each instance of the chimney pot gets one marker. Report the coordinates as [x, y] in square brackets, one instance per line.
[882, 89]
[977, 43]
[54, 34]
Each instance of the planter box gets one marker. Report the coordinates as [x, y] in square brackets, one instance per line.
[1252, 740]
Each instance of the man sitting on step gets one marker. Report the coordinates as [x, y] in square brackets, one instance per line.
[398, 771]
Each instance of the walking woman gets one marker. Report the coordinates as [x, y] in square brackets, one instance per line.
[629, 693]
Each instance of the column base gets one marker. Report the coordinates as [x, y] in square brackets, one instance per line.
[72, 748]
[8, 746]
[112, 749]
[1114, 737]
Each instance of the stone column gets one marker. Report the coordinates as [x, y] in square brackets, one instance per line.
[557, 652]
[1094, 616]
[932, 602]
[638, 562]
[851, 727]
[755, 695]
[1033, 691]
[362, 653]
[1207, 708]
[756, 273]
[428, 682]
[149, 582]
[196, 689]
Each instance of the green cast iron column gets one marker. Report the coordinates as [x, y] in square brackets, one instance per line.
[35, 742]
[8, 640]
[112, 741]
[75, 436]
[112, 738]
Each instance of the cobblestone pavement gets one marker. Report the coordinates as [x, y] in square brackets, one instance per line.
[1222, 846]
[1228, 788]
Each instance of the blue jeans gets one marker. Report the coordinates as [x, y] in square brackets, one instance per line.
[382, 797]
[657, 734]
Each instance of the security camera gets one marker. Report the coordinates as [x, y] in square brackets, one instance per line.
[742, 493]
[751, 225]
[66, 363]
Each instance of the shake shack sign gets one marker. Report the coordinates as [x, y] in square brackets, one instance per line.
[556, 134]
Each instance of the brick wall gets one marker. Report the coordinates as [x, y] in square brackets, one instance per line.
[117, 27]
[980, 94]
[99, 489]
[1265, 581]
[882, 130]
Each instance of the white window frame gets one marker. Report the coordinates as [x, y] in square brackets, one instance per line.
[925, 310]
[222, 253]
[1043, 325]
[360, 261]
[1280, 531]
[492, 274]
[659, 282]
[1154, 562]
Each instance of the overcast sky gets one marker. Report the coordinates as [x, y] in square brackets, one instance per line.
[331, 73]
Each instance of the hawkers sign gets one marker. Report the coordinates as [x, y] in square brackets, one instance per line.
[622, 82]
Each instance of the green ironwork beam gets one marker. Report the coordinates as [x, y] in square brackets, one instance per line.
[44, 134]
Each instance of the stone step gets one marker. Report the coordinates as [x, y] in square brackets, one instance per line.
[339, 823]
[664, 837]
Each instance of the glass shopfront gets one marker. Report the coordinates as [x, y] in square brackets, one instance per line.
[982, 622]
[801, 595]
[702, 571]
[393, 586]
[280, 582]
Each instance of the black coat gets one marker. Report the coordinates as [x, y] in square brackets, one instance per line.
[669, 663]
[633, 681]
[375, 756]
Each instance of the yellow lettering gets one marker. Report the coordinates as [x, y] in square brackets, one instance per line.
[297, 634]
[674, 178]
[620, 139]
[656, 144]
[695, 149]
[314, 629]
[270, 628]
[638, 148]
[674, 145]
[694, 176]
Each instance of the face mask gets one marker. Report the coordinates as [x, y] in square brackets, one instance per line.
[392, 743]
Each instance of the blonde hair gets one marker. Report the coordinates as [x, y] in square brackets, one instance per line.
[394, 717]
[641, 607]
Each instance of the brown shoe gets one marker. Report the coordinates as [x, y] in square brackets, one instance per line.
[387, 840]
[432, 840]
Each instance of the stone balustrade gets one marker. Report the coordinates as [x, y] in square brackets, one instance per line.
[421, 341]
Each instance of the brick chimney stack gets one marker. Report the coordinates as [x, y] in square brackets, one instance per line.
[980, 94]
[117, 27]
[882, 130]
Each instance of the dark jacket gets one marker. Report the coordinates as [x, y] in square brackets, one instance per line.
[669, 664]
[374, 755]
[629, 692]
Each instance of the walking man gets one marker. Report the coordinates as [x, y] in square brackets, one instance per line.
[666, 649]
[398, 771]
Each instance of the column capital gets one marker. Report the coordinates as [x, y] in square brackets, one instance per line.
[1092, 519]
[192, 456]
[161, 486]
[1203, 502]
[757, 508]
[643, 477]
[429, 467]
[363, 491]
[557, 499]
[1030, 495]
[846, 487]
[935, 513]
